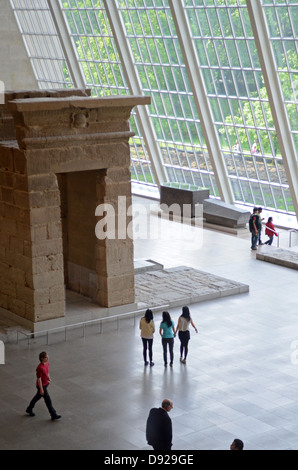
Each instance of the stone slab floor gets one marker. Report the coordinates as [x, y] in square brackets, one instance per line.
[240, 379]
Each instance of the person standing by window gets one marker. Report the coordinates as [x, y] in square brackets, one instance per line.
[270, 231]
[254, 228]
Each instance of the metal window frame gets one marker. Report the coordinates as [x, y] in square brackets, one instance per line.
[31, 28]
[254, 68]
[66, 44]
[201, 101]
[133, 82]
[255, 12]
[280, 116]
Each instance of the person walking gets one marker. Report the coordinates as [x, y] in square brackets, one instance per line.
[270, 231]
[184, 322]
[167, 332]
[42, 382]
[147, 328]
[159, 433]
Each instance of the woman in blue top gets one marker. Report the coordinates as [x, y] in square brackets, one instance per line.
[167, 332]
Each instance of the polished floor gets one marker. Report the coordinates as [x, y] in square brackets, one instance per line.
[240, 379]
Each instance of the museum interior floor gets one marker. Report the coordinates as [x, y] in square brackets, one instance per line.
[240, 379]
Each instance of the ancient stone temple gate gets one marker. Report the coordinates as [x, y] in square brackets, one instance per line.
[62, 154]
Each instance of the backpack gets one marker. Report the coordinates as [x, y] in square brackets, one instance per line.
[251, 225]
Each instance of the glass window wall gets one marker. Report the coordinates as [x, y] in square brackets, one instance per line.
[238, 98]
[228, 60]
[282, 22]
[150, 30]
[97, 53]
[42, 43]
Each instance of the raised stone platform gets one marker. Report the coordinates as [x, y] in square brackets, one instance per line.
[226, 215]
[154, 287]
[282, 257]
[182, 286]
[182, 197]
[178, 203]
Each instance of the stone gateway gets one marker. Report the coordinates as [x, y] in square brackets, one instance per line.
[62, 153]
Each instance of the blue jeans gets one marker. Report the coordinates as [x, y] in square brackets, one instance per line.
[269, 242]
[165, 343]
[260, 241]
[184, 337]
[254, 239]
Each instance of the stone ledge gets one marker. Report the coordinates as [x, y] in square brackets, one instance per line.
[72, 102]
[282, 257]
[144, 265]
[182, 286]
[225, 215]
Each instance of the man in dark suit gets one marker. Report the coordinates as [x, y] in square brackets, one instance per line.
[159, 427]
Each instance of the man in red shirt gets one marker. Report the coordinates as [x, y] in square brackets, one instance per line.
[42, 382]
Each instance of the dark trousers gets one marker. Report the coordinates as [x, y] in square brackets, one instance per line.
[165, 343]
[161, 447]
[184, 337]
[46, 398]
[147, 344]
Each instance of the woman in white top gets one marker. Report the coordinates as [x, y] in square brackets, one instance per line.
[183, 332]
[147, 328]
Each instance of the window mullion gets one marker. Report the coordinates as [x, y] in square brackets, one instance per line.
[66, 44]
[198, 89]
[126, 56]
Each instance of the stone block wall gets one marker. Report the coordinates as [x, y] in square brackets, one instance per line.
[31, 258]
[114, 258]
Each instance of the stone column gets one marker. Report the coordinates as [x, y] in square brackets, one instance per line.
[114, 253]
